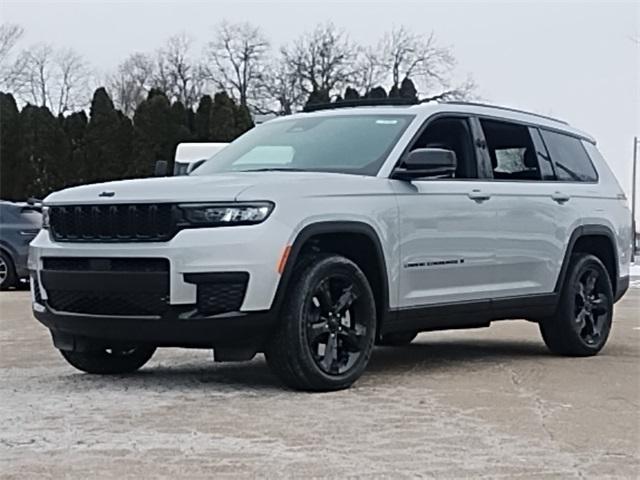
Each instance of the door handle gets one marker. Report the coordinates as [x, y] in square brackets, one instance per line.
[560, 197]
[478, 196]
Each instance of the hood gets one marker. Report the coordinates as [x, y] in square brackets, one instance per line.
[222, 187]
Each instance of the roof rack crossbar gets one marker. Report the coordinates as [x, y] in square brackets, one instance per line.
[509, 109]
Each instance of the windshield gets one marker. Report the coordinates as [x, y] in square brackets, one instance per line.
[356, 144]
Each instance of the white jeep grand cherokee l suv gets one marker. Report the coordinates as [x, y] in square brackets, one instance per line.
[315, 236]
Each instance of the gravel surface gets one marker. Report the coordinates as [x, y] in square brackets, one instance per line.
[480, 403]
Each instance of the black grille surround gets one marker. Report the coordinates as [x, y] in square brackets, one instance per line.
[144, 222]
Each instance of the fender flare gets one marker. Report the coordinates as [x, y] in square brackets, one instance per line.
[328, 227]
[584, 231]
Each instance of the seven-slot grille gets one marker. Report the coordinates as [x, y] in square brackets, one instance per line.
[113, 223]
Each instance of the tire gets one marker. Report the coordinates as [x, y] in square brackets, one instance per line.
[326, 333]
[397, 339]
[106, 361]
[582, 322]
[8, 277]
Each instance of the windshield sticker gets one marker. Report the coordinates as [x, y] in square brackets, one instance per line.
[386, 122]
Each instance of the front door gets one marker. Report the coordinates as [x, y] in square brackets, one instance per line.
[447, 225]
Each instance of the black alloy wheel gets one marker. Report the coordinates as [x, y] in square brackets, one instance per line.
[582, 322]
[336, 330]
[326, 333]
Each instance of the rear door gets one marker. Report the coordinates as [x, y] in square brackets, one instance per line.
[535, 213]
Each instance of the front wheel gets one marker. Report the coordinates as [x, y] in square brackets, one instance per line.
[108, 361]
[326, 335]
[583, 319]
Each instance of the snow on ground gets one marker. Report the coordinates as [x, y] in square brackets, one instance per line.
[635, 275]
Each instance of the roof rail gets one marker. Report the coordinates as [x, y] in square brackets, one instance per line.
[509, 109]
[361, 102]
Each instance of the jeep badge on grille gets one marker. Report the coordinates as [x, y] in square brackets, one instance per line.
[106, 194]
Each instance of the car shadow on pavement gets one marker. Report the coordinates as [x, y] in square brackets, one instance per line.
[449, 354]
[426, 357]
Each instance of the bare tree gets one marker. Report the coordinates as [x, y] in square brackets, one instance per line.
[177, 74]
[279, 91]
[57, 80]
[131, 82]
[323, 60]
[370, 70]
[72, 81]
[238, 57]
[34, 82]
[409, 55]
[10, 34]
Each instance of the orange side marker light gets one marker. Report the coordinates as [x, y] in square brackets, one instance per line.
[283, 259]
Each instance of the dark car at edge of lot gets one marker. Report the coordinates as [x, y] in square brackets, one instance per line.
[19, 224]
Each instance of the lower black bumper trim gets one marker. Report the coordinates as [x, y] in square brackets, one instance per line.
[179, 327]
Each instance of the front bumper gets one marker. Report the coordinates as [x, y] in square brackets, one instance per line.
[254, 249]
[194, 257]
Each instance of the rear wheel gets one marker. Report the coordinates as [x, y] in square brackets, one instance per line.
[7, 271]
[582, 322]
[107, 361]
[326, 335]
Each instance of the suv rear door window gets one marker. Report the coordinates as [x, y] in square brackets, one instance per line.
[570, 157]
[513, 155]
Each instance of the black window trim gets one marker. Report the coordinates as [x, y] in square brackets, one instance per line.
[478, 151]
[539, 127]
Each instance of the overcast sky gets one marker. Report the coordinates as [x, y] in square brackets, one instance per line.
[574, 60]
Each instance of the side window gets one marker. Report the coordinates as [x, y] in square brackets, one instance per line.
[570, 158]
[513, 156]
[452, 133]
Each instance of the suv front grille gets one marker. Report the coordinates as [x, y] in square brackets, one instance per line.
[113, 223]
[107, 303]
[107, 286]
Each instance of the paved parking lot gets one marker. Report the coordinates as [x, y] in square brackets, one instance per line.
[484, 403]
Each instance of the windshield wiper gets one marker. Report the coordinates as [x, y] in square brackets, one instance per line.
[274, 169]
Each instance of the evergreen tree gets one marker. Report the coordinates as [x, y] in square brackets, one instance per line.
[378, 93]
[158, 128]
[243, 120]
[10, 175]
[408, 90]
[43, 155]
[394, 92]
[318, 97]
[75, 128]
[180, 117]
[227, 121]
[202, 117]
[351, 94]
[108, 141]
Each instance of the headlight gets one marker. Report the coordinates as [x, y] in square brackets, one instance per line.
[45, 218]
[215, 214]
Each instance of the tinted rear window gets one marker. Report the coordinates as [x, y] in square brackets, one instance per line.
[570, 158]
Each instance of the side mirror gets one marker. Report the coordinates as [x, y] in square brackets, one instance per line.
[427, 162]
[161, 168]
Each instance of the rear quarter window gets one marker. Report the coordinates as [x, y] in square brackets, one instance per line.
[572, 163]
